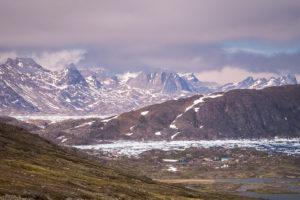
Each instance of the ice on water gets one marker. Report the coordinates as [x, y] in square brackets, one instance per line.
[289, 146]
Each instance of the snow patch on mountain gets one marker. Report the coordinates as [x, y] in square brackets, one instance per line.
[157, 133]
[173, 136]
[109, 119]
[85, 124]
[173, 126]
[144, 113]
[201, 100]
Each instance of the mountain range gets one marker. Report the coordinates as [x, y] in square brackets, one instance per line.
[28, 88]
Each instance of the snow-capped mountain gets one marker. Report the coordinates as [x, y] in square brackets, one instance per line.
[260, 83]
[26, 88]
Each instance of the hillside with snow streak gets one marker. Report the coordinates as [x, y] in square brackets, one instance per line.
[237, 114]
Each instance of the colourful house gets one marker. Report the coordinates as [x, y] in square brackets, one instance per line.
[225, 159]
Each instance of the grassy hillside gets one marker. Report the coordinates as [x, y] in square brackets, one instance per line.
[32, 167]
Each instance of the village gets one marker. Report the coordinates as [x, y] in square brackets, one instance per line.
[214, 162]
[208, 159]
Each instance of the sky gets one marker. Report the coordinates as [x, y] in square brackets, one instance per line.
[221, 41]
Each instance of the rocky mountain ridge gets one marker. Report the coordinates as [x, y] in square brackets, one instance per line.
[237, 114]
[28, 88]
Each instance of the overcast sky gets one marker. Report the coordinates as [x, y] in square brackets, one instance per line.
[219, 39]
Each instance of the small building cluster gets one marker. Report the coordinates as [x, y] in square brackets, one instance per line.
[217, 158]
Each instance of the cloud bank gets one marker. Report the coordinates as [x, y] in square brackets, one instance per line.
[51, 60]
[134, 35]
[59, 59]
[68, 22]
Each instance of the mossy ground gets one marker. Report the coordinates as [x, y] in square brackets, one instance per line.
[32, 167]
[269, 189]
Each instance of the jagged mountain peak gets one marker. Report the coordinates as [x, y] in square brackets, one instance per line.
[16, 61]
[246, 83]
[71, 66]
[249, 79]
[25, 63]
[70, 69]
[288, 79]
[71, 76]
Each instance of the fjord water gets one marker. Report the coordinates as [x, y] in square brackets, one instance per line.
[259, 182]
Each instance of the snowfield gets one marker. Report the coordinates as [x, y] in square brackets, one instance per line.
[131, 148]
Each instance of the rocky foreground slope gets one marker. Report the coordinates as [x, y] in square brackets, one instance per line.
[268, 113]
[33, 168]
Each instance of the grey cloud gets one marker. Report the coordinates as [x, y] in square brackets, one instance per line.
[181, 35]
[69, 22]
[277, 63]
[185, 58]
[171, 57]
[52, 60]
[189, 58]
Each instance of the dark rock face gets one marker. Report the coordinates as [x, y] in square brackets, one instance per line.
[268, 113]
[264, 113]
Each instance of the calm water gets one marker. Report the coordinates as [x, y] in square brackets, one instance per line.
[258, 180]
[286, 184]
[272, 196]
